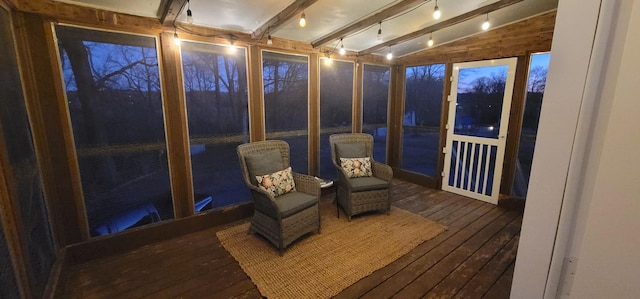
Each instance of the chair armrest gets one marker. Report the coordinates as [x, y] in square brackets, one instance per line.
[307, 184]
[263, 201]
[382, 171]
[342, 179]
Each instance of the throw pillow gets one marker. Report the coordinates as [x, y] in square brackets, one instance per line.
[277, 183]
[356, 167]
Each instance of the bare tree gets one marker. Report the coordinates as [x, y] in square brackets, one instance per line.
[537, 79]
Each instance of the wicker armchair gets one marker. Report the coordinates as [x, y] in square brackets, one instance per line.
[285, 218]
[360, 194]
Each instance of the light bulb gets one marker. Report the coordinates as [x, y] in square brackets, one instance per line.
[430, 42]
[486, 25]
[342, 51]
[303, 20]
[436, 12]
[189, 16]
[269, 40]
[379, 37]
[176, 39]
[389, 56]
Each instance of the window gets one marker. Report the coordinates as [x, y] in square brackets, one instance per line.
[336, 100]
[286, 104]
[535, 91]
[113, 92]
[24, 179]
[421, 124]
[215, 82]
[375, 100]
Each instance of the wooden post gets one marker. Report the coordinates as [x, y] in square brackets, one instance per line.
[314, 114]
[256, 102]
[357, 97]
[175, 112]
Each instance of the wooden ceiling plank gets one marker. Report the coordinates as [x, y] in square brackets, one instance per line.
[170, 11]
[444, 24]
[380, 16]
[279, 19]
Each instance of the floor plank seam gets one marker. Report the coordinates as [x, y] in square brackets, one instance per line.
[439, 244]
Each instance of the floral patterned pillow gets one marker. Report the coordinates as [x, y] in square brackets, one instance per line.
[356, 167]
[277, 183]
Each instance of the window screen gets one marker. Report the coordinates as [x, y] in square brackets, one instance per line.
[375, 100]
[286, 104]
[215, 82]
[336, 101]
[24, 181]
[421, 124]
[113, 92]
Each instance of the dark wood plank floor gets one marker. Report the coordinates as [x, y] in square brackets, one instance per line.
[474, 258]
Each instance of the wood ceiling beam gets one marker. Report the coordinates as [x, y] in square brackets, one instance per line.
[368, 21]
[295, 9]
[170, 11]
[444, 24]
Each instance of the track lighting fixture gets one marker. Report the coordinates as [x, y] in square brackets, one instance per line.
[342, 50]
[303, 20]
[189, 15]
[436, 11]
[430, 42]
[486, 24]
[379, 37]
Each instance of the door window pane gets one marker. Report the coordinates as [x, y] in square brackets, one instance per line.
[215, 82]
[421, 124]
[535, 91]
[286, 104]
[114, 100]
[336, 98]
[375, 100]
[479, 103]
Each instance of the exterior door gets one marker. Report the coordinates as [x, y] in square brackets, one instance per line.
[479, 104]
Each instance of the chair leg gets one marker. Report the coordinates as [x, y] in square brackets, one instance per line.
[281, 248]
[337, 203]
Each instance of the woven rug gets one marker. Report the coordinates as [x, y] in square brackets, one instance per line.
[322, 265]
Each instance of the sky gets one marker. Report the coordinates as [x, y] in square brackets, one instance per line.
[467, 76]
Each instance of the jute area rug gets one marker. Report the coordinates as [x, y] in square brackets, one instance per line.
[322, 265]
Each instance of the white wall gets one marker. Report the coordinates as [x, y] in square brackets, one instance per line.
[600, 208]
[571, 52]
[608, 252]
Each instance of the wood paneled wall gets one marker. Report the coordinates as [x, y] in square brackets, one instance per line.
[521, 38]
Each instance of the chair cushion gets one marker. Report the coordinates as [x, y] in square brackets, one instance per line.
[294, 202]
[350, 150]
[367, 184]
[277, 183]
[356, 167]
[263, 163]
